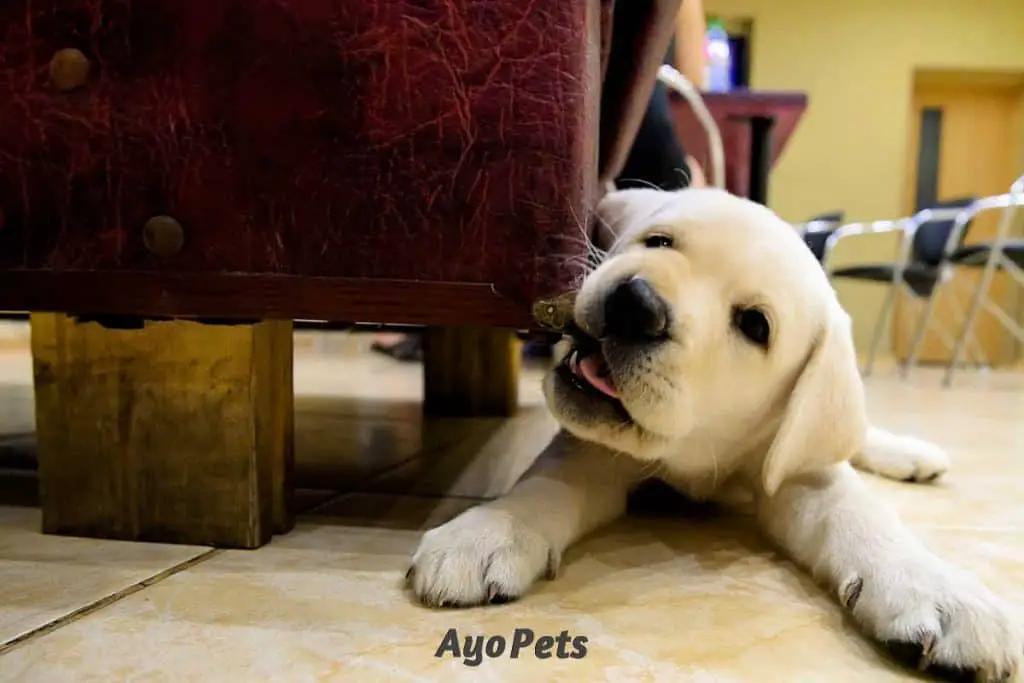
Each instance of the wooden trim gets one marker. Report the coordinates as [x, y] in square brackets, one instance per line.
[257, 297]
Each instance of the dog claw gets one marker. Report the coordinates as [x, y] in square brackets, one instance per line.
[495, 596]
[927, 645]
[918, 654]
[554, 564]
[849, 593]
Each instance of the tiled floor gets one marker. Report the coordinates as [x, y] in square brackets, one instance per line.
[660, 599]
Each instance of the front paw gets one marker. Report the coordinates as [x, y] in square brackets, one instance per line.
[938, 620]
[904, 458]
[484, 555]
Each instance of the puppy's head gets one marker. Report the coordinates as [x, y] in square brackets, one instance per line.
[710, 329]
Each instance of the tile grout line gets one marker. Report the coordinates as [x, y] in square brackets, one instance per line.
[316, 510]
[105, 601]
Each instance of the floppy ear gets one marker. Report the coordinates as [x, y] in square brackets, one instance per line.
[825, 421]
[620, 210]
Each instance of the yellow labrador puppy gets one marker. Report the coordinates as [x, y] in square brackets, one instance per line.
[710, 342]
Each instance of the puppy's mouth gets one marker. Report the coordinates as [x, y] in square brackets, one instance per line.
[591, 372]
[586, 370]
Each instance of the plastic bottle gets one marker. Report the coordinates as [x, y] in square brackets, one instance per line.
[718, 72]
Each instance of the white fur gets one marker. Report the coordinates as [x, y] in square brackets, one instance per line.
[900, 457]
[709, 409]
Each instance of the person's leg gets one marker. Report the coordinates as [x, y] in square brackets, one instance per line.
[657, 157]
[387, 338]
[403, 347]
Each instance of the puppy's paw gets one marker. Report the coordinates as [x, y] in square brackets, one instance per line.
[903, 458]
[937, 620]
[484, 555]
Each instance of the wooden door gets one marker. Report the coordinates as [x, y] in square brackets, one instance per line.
[975, 122]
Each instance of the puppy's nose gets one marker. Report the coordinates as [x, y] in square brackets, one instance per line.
[635, 312]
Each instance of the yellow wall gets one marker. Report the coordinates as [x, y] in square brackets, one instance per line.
[856, 62]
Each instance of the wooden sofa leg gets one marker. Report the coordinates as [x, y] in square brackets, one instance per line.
[176, 432]
[470, 372]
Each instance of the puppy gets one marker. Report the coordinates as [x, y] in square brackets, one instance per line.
[710, 347]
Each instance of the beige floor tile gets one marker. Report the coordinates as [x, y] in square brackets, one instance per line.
[17, 409]
[43, 578]
[14, 335]
[340, 440]
[360, 415]
[980, 426]
[657, 599]
[486, 461]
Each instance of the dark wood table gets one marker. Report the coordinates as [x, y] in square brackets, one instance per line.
[755, 127]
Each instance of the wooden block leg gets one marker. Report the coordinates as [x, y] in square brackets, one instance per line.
[179, 432]
[470, 371]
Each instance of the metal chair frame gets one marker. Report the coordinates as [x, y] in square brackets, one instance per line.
[996, 260]
[908, 228]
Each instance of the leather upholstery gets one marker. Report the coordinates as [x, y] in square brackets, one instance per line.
[444, 141]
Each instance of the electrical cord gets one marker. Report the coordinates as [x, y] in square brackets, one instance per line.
[673, 80]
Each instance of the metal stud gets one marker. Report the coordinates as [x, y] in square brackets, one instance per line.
[163, 235]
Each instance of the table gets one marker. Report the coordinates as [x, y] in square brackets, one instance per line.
[756, 127]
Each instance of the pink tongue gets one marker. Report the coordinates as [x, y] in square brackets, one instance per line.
[590, 367]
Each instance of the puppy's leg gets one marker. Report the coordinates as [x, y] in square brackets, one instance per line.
[923, 608]
[495, 551]
[904, 458]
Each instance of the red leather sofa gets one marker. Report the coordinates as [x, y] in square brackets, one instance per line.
[244, 163]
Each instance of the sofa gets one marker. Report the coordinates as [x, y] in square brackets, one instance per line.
[181, 179]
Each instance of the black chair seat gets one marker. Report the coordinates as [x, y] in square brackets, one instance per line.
[975, 255]
[816, 239]
[920, 278]
[816, 242]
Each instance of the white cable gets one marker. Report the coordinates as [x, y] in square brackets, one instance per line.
[672, 79]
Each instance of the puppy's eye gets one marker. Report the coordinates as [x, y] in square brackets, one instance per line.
[753, 325]
[658, 241]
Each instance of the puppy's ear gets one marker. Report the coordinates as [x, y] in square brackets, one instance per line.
[620, 211]
[825, 421]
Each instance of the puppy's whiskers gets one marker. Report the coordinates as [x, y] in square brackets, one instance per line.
[714, 470]
[652, 469]
[686, 175]
[617, 236]
[644, 183]
[594, 253]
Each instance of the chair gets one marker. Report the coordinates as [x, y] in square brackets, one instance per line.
[1001, 254]
[817, 230]
[915, 269]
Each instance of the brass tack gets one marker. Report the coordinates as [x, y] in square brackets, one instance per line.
[163, 235]
[69, 69]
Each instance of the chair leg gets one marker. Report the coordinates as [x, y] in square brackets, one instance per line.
[973, 349]
[175, 432]
[879, 330]
[987, 276]
[924, 322]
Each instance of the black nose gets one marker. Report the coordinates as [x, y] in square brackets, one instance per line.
[635, 312]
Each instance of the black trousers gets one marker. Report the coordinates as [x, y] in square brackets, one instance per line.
[657, 157]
